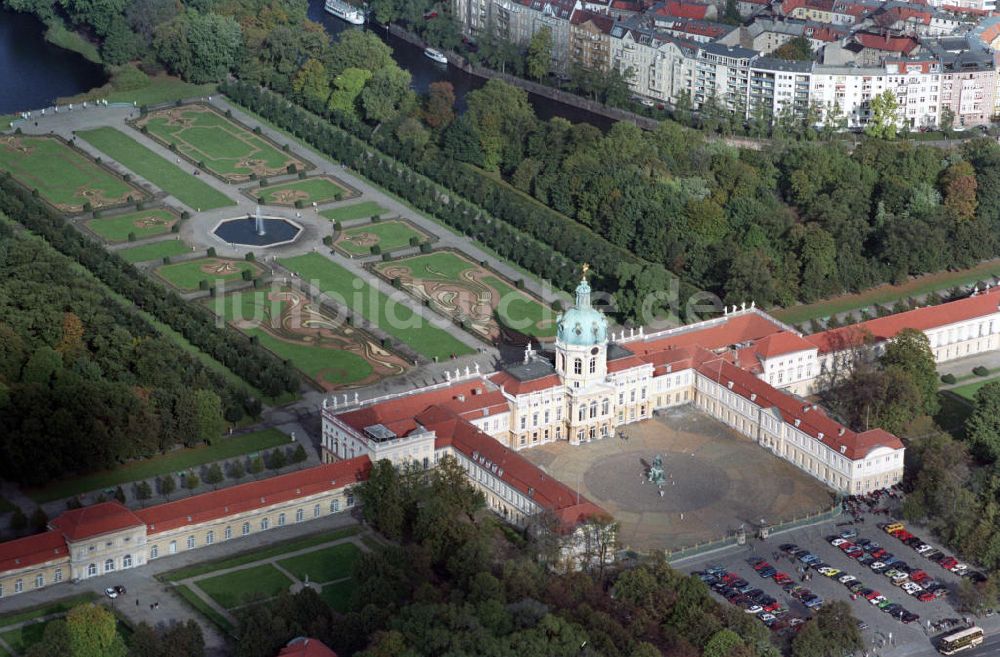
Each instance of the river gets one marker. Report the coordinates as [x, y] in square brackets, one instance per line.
[33, 72]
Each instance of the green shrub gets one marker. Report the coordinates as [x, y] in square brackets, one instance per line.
[299, 203]
[131, 237]
[302, 175]
[979, 370]
[250, 256]
[376, 249]
[211, 251]
[166, 260]
[948, 379]
[425, 247]
[292, 168]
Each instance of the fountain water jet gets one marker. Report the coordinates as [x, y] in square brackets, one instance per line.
[259, 222]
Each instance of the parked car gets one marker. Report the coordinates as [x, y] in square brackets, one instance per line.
[877, 600]
[854, 552]
[847, 579]
[897, 577]
[788, 548]
[770, 571]
[925, 596]
[908, 617]
[781, 578]
[923, 548]
[754, 609]
[959, 569]
[849, 533]
[813, 603]
[948, 563]
[835, 541]
[912, 588]
[878, 567]
[892, 607]
[919, 576]
[855, 587]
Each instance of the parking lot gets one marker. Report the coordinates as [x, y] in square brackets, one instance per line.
[884, 635]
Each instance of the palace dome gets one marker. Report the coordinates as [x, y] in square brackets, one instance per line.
[582, 325]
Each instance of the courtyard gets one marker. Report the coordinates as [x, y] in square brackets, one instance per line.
[716, 481]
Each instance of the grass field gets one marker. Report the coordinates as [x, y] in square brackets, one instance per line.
[888, 294]
[204, 608]
[338, 595]
[161, 88]
[189, 274]
[22, 638]
[145, 223]
[388, 235]
[457, 286]
[154, 251]
[182, 185]
[326, 565]
[317, 362]
[320, 189]
[271, 551]
[58, 607]
[227, 149]
[233, 589]
[969, 390]
[376, 307]
[175, 461]
[63, 177]
[354, 211]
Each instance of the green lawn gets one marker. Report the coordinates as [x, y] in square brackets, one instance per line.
[145, 223]
[354, 211]
[309, 191]
[953, 413]
[22, 638]
[189, 274]
[63, 176]
[182, 185]
[391, 235]
[226, 148]
[154, 251]
[376, 307]
[271, 551]
[517, 309]
[175, 461]
[968, 391]
[338, 595]
[326, 565]
[321, 363]
[161, 89]
[888, 294]
[204, 608]
[232, 589]
[58, 607]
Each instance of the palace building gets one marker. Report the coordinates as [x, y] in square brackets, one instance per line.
[745, 369]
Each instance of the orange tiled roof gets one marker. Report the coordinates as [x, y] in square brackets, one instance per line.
[305, 647]
[254, 495]
[95, 520]
[32, 550]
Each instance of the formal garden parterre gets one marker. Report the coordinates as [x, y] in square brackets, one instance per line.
[138, 225]
[318, 342]
[473, 295]
[380, 237]
[63, 176]
[182, 185]
[361, 210]
[304, 192]
[154, 251]
[225, 148]
[210, 272]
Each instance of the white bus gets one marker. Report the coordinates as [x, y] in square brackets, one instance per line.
[964, 640]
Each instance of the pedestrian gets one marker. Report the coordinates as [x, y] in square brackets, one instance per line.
[137, 602]
[151, 606]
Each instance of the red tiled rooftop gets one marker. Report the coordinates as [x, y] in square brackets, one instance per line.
[397, 414]
[254, 495]
[95, 520]
[921, 319]
[304, 647]
[514, 386]
[602, 22]
[731, 330]
[813, 421]
[32, 550]
[900, 44]
[683, 9]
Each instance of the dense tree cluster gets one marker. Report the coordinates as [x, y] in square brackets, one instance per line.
[85, 381]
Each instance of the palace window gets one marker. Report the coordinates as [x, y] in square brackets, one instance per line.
[300, 515]
[246, 528]
[265, 523]
[39, 581]
[109, 565]
[593, 409]
[190, 543]
[593, 365]
[350, 499]
[281, 519]
[127, 561]
[154, 552]
[583, 413]
[19, 585]
[316, 511]
[334, 506]
[228, 533]
[209, 538]
[577, 366]
[57, 577]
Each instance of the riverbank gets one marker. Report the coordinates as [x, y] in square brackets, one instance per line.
[61, 36]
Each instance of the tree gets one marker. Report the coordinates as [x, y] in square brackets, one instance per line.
[539, 57]
[120, 44]
[256, 465]
[208, 413]
[796, 48]
[18, 521]
[910, 352]
[98, 14]
[439, 110]
[277, 460]
[120, 494]
[884, 109]
[983, 426]
[167, 485]
[299, 455]
[959, 186]
[199, 47]
[382, 499]
[214, 476]
[386, 94]
[312, 83]
[143, 491]
[359, 49]
[977, 597]
[236, 469]
[346, 88]
[722, 644]
[831, 633]
[93, 632]
[191, 480]
[55, 641]
[947, 120]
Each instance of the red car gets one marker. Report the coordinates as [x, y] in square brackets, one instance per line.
[872, 595]
[903, 535]
[762, 565]
[925, 596]
[846, 546]
[773, 606]
[948, 563]
[918, 576]
[729, 578]
[879, 553]
[781, 578]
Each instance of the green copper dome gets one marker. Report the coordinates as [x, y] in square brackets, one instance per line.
[582, 325]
